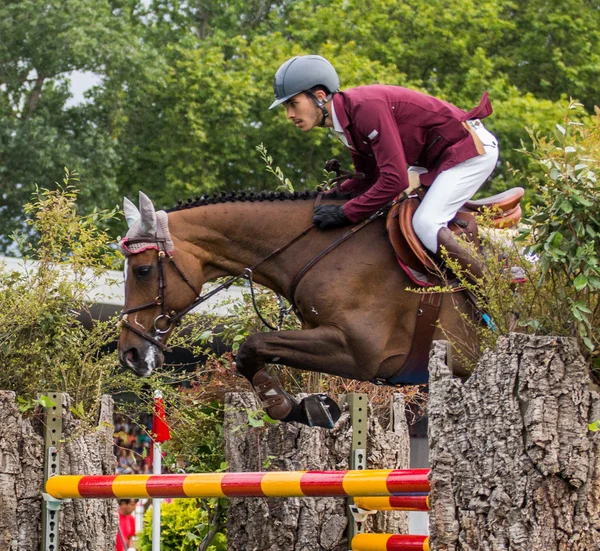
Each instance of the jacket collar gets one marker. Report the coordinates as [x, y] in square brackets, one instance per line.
[342, 117]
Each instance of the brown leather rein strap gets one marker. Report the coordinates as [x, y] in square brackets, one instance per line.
[246, 274]
[124, 322]
[331, 247]
[173, 317]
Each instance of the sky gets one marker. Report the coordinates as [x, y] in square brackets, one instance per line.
[80, 82]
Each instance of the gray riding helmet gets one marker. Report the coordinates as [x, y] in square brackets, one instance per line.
[301, 73]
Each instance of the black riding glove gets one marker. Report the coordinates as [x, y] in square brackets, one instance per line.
[326, 217]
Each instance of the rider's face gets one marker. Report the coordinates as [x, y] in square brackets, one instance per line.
[303, 112]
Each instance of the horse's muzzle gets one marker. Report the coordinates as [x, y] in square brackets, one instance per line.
[142, 361]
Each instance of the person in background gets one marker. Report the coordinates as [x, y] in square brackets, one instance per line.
[126, 529]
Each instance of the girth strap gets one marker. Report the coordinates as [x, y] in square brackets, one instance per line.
[417, 360]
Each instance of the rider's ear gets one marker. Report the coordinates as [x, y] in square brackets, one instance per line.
[132, 214]
[148, 215]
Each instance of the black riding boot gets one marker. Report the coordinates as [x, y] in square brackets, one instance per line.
[472, 266]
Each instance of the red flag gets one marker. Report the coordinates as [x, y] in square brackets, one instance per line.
[160, 429]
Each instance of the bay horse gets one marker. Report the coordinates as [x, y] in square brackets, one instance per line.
[356, 305]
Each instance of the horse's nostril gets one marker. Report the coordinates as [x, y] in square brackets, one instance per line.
[132, 356]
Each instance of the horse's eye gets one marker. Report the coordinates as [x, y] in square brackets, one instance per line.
[143, 272]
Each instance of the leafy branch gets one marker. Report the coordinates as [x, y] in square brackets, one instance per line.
[284, 183]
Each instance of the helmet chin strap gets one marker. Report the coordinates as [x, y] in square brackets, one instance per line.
[320, 105]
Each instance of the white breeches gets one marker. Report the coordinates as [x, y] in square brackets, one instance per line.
[452, 189]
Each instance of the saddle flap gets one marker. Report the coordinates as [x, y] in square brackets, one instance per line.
[408, 247]
[402, 236]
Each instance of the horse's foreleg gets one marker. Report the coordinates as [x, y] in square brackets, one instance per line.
[322, 349]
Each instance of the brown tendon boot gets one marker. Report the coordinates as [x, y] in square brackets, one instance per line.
[270, 392]
[473, 267]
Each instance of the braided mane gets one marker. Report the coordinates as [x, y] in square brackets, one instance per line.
[244, 196]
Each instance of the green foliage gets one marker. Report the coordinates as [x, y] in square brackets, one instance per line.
[44, 345]
[284, 183]
[184, 87]
[43, 42]
[184, 524]
[564, 225]
[198, 434]
[557, 246]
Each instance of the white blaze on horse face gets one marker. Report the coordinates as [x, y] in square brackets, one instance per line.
[125, 269]
[150, 359]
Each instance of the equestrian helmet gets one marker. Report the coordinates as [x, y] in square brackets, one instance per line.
[301, 73]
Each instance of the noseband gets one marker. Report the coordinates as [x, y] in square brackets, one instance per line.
[171, 317]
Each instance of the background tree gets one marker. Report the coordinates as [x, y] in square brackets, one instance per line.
[43, 42]
[185, 86]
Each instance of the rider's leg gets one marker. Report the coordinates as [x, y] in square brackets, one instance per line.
[449, 191]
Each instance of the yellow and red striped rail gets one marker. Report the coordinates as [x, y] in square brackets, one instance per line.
[388, 542]
[394, 503]
[257, 484]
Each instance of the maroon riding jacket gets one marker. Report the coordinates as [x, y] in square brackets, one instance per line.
[390, 128]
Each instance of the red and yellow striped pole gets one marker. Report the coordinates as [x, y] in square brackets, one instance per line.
[393, 503]
[257, 484]
[388, 542]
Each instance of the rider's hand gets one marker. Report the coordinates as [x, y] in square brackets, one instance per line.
[333, 165]
[326, 217]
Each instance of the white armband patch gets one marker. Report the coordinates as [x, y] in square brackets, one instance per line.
[373, 135]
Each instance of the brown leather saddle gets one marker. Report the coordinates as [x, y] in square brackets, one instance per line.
[412, 255]
[423, 270]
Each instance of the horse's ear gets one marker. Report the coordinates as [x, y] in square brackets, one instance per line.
[148, 215]
[132, 214]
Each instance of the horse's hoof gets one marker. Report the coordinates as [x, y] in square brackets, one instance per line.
[321, 411]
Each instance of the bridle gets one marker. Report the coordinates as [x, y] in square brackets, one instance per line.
[171, 318]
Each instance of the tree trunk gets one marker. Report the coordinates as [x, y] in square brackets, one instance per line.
[85, 525]
[513, 463]
[303, 524]
[89, 524]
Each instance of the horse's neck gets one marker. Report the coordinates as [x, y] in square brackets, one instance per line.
[230, 237]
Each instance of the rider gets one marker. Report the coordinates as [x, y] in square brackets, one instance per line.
[387, 130]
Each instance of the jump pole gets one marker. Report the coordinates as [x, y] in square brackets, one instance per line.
[252, 484]
[388, 542]
[393, 503]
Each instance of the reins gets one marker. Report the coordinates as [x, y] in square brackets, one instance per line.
[171, 318]
[333, 246]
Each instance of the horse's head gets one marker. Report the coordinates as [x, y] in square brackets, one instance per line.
[160, 285]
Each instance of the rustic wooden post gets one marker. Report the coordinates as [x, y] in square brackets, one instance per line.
[86, 524]
[302, 524]
[514, 465]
